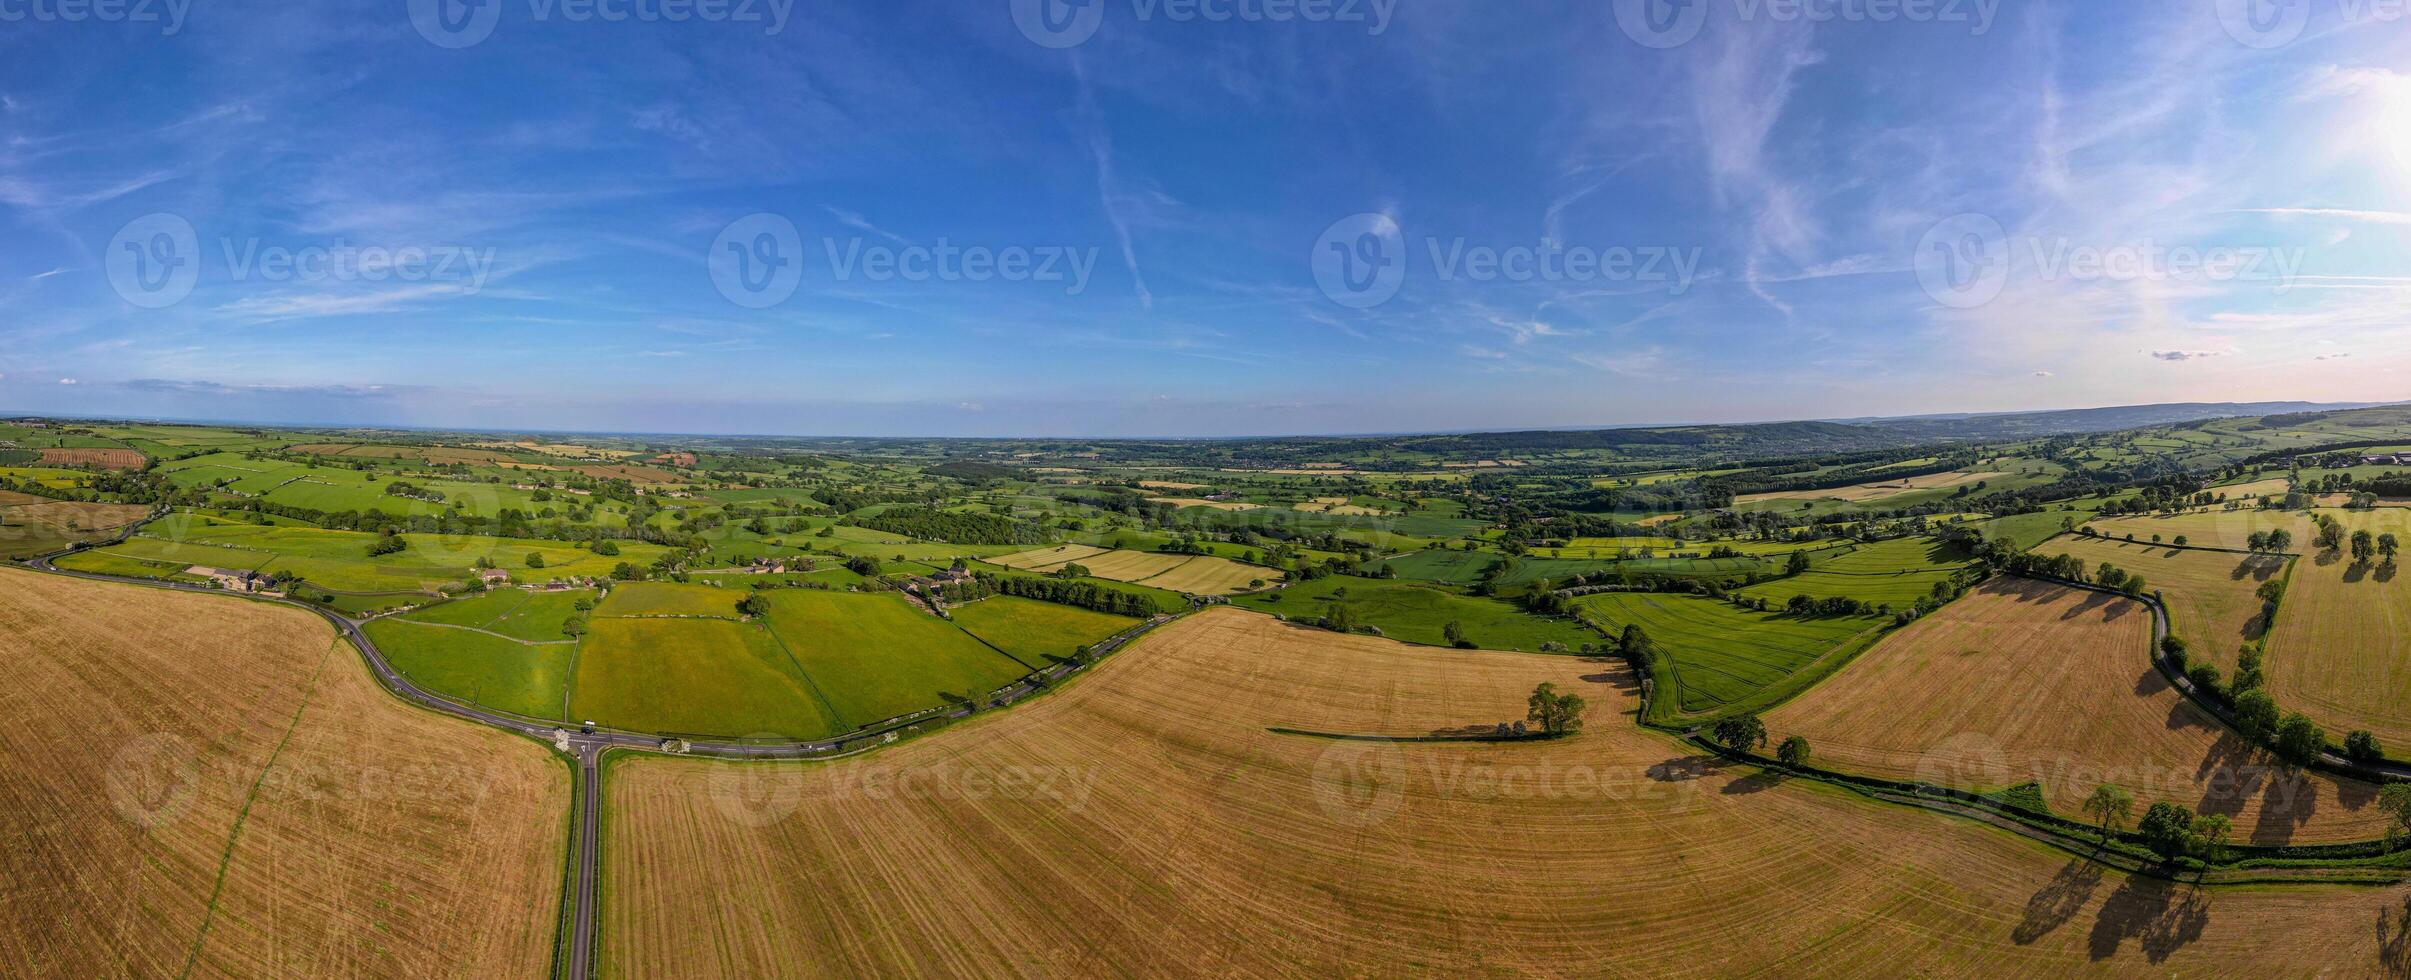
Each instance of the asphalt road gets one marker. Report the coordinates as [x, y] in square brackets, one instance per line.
[586, 748]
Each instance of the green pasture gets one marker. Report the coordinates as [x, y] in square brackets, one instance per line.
[1418, 613]
[1714, 655]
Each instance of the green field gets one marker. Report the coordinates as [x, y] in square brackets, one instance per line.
[876, 656]
[509, 675]
[1037, 632]
[1452, 567]
[1421, 613]
[339, 560]
[516, 613]
[1716, 656]
[1897, 572]
[109, 563]
[707, 677]
[671, 599]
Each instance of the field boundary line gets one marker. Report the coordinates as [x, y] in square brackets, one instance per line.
[243, 816]
[809, 684]
[488, 632]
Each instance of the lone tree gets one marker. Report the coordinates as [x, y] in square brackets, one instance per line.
[2387, 546]
[1556, 714]
[2110, 806]
[1454, 633]
[2395, 802]
[2364, 546]
[2209, 835]
[1741, 733]
[1793, 751]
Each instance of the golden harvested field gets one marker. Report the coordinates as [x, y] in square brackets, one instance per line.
[1208, 575]
[2341, 652]
[2212, 528]
[1170, 485]
[61, 513]
[1335, 505]
[2273, 487]
[1131, 566]
[1232, 505]
[1147, 820]
[203, 785]
[107, 459]
[1048, 559]
[1196, 575]
[2025, 681]
[2211, 595]
[1874, 491]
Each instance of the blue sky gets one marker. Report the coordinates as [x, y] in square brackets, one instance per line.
[543, 219]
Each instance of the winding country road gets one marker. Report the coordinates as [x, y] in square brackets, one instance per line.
[586, 748]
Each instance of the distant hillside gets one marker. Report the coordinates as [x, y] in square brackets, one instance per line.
[1792, 438]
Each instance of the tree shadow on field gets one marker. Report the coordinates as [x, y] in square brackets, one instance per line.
[2394, 938]
[2093, 601]
[2385, 573]
[2058, 901]
[2328, 557]
[1760, 781]
[1685, 769]
[2162, 915]
[2258, 568]
[1613, 672]
[2288, 802]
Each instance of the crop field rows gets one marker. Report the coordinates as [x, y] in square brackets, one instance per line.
[1128, 815]
[1192, 574]
[2341, 651]
[2211, 595]
[2028, 682]
[212, 786]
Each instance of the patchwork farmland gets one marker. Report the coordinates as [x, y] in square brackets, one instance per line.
[2213, 596]
[1123, 829]
[2026, 682]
